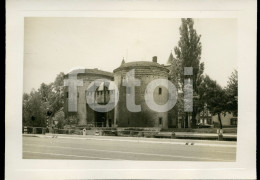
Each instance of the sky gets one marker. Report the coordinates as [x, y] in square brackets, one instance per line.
[53, 45]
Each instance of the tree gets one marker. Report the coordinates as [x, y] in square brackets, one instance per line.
[60, 117]
[214, 97]
[188, 54]
[33, 110]
[232, 93]
[56, 99]
[48, 96]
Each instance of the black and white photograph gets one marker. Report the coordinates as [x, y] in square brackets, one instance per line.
[130, 92]
[59, 51]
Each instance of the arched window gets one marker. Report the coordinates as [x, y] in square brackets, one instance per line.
[160, 90]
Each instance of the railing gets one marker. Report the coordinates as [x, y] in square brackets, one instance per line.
[34, 130]
[96, 124]
[43, 130]
[103, 131]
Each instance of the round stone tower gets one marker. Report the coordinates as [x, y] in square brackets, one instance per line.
[146, 72]
[84, 113]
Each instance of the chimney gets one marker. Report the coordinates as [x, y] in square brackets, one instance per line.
[155, 59]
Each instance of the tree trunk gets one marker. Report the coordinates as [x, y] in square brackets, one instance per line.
[193, 119]
[220, 122]
[186, 124]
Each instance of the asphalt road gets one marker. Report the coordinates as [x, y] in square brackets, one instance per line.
[90, 149]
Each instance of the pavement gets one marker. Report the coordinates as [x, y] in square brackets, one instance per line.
[48, 146]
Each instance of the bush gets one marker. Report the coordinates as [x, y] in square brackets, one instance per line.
[72, 131]
[78, 132]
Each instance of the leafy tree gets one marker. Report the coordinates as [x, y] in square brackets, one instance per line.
[60, 117]
[48, 96]
[174, 77]
[33, 110]
[188, 54]
[214, 97]
[232, 93]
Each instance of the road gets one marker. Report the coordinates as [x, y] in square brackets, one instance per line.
[91, 149]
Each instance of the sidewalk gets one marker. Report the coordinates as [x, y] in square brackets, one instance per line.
[139, 139]
[203, 135]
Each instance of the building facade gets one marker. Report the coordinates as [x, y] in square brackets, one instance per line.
[86, 115]
[103, 92]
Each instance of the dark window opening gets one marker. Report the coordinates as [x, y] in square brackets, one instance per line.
[160, 121]
[67, 94]
[78, 94]
[101, 93]
[160, 90]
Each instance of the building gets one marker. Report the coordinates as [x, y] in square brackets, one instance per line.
[102, 92]
[227, 120]
[85, 114]
[206, 118]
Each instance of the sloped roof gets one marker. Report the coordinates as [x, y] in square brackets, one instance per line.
[96, 72]
[140, 64]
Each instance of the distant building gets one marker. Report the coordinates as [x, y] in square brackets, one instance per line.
[207, 118]
[227, 120]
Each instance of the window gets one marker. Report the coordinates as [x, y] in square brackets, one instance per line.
[160, 90]
[160, 121]
[101, 93]
[67, 94]
[77, 94]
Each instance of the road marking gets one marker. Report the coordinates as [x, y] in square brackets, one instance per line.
[70, 155]
[135, 153]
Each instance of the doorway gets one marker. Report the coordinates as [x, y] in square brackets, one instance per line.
[100, 118]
